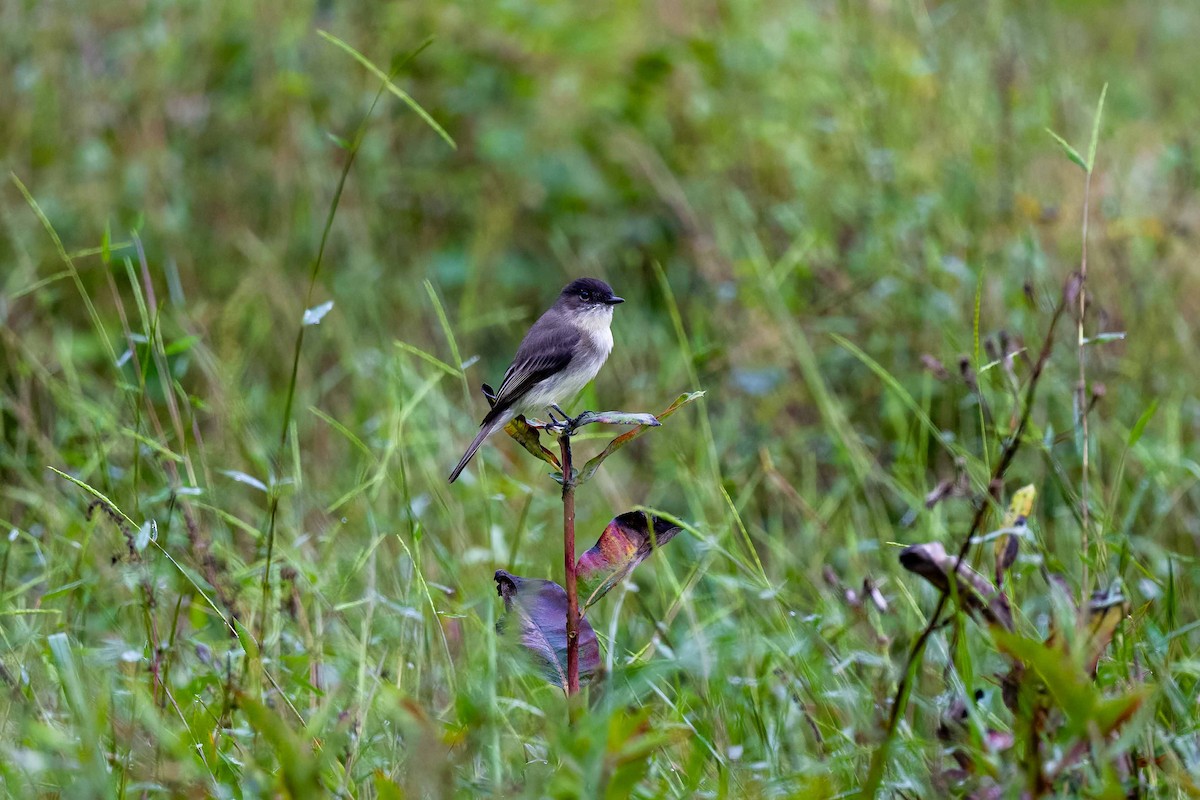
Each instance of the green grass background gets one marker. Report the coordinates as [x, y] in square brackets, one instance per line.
[755, 178]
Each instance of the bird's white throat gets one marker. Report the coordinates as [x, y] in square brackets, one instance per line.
[596, 324]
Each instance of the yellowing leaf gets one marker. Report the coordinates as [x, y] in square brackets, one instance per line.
[1021, 506]
[529, 438]
[1007, 545]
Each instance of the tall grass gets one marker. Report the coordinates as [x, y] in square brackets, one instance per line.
[229, 561]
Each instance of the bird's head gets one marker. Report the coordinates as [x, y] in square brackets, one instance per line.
[588, 295]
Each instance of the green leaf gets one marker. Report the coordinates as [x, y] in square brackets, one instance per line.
[1071, 152]
[898, 389]
[633, 740]
[247, 641]
[593, 464]
[297, 762]
[1072, 690]
[1139, 427]
[95, 494]
[626, 542]
[432, 359]
[1091, 162]
[385, 787]
[84, 709]
[1113, 712]
[343, 430]
[180, 345]
[68, 676]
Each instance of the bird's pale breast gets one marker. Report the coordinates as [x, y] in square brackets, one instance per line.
[583, 368]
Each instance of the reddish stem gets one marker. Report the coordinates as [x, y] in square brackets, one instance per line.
[568, 498]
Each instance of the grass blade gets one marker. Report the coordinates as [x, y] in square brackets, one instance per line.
[391, 87]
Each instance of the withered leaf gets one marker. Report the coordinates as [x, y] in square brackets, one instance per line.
[975, 592]
[528, 438]
[940, 492]
[871, 590]
[1104, 613]
[1097, 624]
[934, 366]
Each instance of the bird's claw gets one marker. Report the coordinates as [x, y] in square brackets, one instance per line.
[555, 423]
[567, 422]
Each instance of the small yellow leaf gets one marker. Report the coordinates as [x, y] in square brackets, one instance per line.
[1021, 506]
[1019, 509]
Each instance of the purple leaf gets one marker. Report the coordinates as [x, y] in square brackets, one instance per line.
[625, 543]
[539, 610]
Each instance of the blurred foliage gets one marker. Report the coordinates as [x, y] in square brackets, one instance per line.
[753, 178]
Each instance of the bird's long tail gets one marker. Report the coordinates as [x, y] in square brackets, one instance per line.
[488, 427]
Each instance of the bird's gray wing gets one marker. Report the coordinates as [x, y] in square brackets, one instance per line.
[547, 349]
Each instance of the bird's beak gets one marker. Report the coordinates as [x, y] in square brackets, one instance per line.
[615, 301]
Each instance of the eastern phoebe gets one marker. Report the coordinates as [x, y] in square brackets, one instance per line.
[560, 355]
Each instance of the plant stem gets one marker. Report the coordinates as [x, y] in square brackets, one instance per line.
[568, 498]
[992, 495]
[1082, 395]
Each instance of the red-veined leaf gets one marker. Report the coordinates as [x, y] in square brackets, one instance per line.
[625, 543]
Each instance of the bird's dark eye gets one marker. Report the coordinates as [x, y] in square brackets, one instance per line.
[585, 295]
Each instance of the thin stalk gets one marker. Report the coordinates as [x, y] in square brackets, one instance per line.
[352, 153]
[992, 495]
[1084, 407]
[568, 498]
[1081, 399]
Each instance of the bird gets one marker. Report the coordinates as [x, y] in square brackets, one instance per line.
[562, 352]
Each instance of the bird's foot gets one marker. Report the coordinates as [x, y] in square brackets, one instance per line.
[567, 423]
[555, 423]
